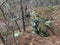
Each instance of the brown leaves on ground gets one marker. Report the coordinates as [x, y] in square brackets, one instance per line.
[34, 39]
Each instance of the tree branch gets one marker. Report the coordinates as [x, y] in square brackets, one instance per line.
[3, 3]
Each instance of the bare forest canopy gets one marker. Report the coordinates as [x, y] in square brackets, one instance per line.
[36, 2]
[15, 6]
[29, 3]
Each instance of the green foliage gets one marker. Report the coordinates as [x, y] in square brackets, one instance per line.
[39, 29]
[16, 34]
[50, 7]
[47, 23]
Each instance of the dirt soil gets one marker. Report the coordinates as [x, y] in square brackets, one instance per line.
[28, 38]
[33, 39]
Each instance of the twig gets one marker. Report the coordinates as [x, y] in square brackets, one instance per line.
[3, 3]
[22, 15]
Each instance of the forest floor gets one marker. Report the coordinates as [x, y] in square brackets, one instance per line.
[28, 38]
[33, 39]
